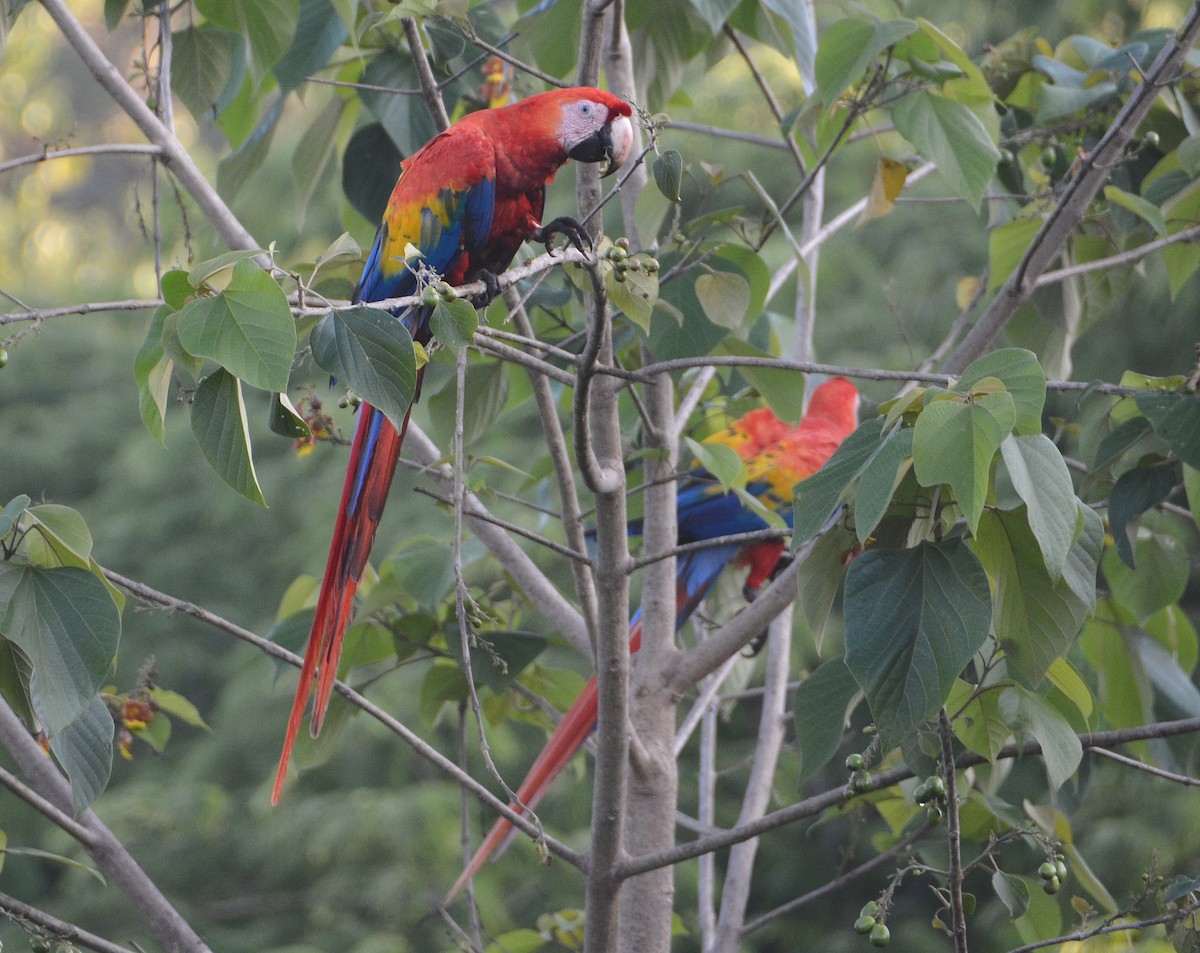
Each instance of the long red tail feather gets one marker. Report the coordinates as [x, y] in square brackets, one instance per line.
[372, 464]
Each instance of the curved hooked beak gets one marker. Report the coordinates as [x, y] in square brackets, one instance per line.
[609, 145]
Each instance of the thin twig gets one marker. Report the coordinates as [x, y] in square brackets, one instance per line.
[46, 809]
[953, 836]
[24, 914]
[1184, 779]
[105, 150]
[1109, 927]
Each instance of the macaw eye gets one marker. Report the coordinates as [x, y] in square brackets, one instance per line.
[585, 109]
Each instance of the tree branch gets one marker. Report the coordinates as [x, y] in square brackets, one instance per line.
[105, 849]
[14, 909]
[101, 150]
[814, 805]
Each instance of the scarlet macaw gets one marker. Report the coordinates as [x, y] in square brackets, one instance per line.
[466, 200]
[777, 456]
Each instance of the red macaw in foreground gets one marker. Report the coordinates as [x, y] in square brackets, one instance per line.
[466, 200]
[777, 456]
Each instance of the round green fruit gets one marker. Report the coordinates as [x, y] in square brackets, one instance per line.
[1047, 870]
[865, 924]
[880, 935]
[855, 762]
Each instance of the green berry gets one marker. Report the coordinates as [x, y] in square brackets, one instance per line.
[617, 253]
[650, 265]
[855, 762]
[619, 275]
[1060, 869]
[1006, 156]
[870, 909]
[1052, 885]
[622, 243]
[429, 296]
[862, 781]
[447, 293]
[937, 786]
[1150, 139]
[880, 935]
[865, 924]
[39, 944]
[934, 813]
[1047, 870]
[1049, 156]
[921, 794]
[3, 356]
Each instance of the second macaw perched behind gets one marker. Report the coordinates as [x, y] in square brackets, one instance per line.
[777, 456]
[466, 201]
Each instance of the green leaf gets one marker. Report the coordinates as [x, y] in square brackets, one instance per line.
[714, 12]
[424, 569]
[201, 63]
[849, 46]
[247, 328]
[1056, 100]
[454, 322]
[285, 420]
[815, 499]
[949, 134]
[234, 169]
[320, 141]
[879, 480]
[371, 352]
[443, 683]
[1159, 580]
[504, 656]
[220, 427]
[804, 40]
[518, 941]
[57, 858]
[59, 536]
[487, 393]
[267, 27]
[1136, 491]
[177, 706]
[11, 513]
[725, 298]
[1191, 485]
[668, 173]
[1035, 618]
[820, 703]
[1042, 480]
[954, 442]
[783, 390]
[1066, 679]
[66, 623]
[721, 460]
[1061, 748]
[319, 33]
[977, 721]
[1176, 418]
[821, 576]
[370, 165]
[1012, 891]
[635, 296]
[1007, 245]
[152, 370]
[1147, 211]
[84, 749]
[914, 618]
